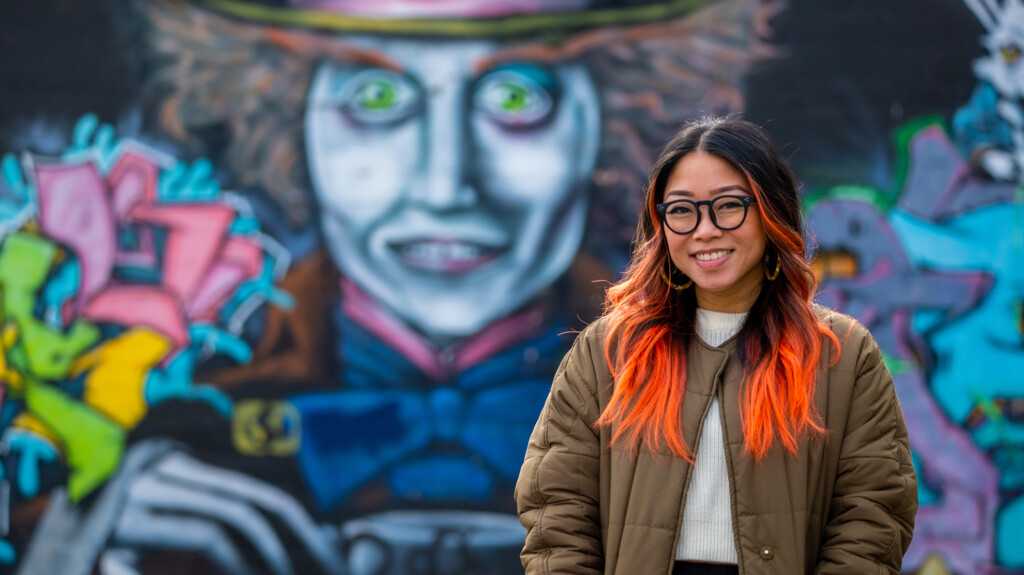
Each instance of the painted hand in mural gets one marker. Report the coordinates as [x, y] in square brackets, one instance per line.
[238, 523]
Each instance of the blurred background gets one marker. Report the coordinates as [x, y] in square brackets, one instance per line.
[283, 283]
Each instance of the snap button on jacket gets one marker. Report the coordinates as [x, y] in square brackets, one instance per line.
[845, 504]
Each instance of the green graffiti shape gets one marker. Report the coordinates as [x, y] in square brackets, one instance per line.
[92, 443]
[46, 353]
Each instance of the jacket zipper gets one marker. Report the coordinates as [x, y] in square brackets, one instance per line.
[689, 472]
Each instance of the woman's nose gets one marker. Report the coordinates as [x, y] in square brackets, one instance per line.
[706, 227]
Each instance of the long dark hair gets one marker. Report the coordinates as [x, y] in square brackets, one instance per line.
[650, 325]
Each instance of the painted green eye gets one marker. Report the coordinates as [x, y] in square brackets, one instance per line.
[511, 97]
[378, 96]
[517, 96]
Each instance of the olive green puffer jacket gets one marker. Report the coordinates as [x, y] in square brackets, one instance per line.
[845, 505]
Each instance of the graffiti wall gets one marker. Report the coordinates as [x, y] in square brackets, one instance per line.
[283, 284]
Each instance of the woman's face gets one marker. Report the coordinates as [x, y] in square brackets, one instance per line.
[726, 266]
[450, 190]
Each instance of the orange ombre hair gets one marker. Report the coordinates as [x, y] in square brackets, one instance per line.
[650, 326]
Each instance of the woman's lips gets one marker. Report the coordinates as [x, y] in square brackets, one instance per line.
[709, 259]
[445, 256]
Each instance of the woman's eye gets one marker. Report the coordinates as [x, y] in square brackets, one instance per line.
[515, 97]
[680, 210]
[378, 97]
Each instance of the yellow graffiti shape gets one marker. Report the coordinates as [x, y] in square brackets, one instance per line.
[262, 428]
[117, 374]
[9, 375]
[29, 422]
[934, 565]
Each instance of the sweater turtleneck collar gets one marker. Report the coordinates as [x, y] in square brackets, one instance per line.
[715, 327]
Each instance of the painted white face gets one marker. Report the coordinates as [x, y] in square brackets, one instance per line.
[1004, 66]
[451, 192]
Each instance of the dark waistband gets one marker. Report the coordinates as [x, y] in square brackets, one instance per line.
[687, 568]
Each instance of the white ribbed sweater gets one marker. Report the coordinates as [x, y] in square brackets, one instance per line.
[707, 529]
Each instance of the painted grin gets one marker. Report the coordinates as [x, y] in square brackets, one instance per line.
[446, 256]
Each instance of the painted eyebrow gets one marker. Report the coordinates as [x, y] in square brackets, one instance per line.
[375, 58]
[318, 47]
[714, 192]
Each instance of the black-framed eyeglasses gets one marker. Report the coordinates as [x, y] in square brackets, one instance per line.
[683, 216]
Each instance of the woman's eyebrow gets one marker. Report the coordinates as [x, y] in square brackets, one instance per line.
[714, 192]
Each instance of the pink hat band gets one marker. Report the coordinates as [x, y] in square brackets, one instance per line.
[453, 18]
[440, 8]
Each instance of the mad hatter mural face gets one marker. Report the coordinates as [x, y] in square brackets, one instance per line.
[452, 189]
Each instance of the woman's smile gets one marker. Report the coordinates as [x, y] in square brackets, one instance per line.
[711, 259]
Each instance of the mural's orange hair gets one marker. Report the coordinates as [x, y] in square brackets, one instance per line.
[650, 326]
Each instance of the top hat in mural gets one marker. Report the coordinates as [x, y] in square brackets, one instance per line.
[453, 17]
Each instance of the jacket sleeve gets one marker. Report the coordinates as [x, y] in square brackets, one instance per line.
[871, 516]
[558, 487]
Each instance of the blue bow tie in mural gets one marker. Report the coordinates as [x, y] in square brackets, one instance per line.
[430, 441]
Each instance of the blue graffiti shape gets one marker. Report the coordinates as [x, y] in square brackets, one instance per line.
[176, 381]
[185, 183]
[428, 442]
[33, 452]
[16, 192]
[262, 287]
[977, 382]
[98, 140]
[61, 287]
[7, 553]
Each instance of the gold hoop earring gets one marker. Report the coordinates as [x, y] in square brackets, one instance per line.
[665, 277]
[775, 274]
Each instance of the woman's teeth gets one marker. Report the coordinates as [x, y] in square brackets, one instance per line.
[706, 257]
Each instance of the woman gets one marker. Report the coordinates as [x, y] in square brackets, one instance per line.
[715, 420]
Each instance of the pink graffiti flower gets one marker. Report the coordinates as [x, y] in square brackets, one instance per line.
[199, 263]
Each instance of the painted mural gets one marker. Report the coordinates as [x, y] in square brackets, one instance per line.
[284, 283]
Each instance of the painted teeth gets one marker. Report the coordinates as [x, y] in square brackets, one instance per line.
[712, 256]
[442, 252]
